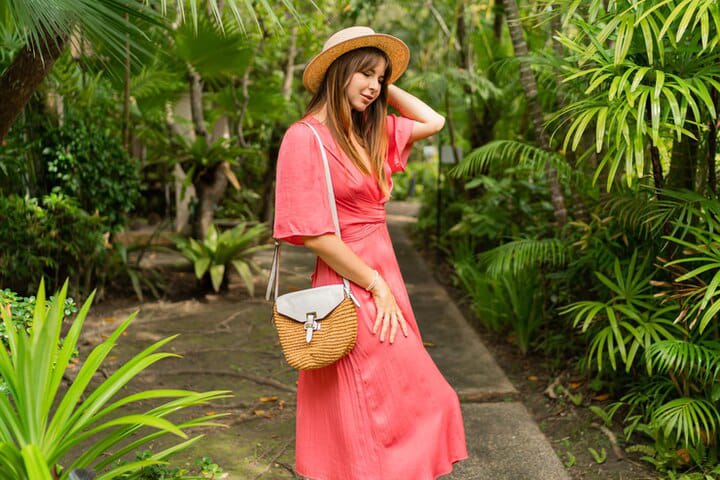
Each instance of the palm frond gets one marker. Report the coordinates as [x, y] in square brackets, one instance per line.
[39, 22]
[633, 211]
[693, 420]
[504, 153]
[522, 255]
[649, 216]
[687, 15]
[698, 360]
[212, 52]
[156, 86]
[242, 10]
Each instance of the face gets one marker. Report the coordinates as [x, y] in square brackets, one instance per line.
[365, 86]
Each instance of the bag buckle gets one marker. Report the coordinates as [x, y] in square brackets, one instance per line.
[310, 325]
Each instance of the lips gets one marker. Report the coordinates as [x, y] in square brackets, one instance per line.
[368, 98]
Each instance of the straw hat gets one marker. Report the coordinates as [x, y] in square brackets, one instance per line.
[350, 39]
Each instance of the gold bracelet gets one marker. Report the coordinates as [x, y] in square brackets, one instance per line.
[372, 284]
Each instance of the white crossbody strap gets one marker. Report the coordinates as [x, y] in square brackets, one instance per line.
[274, 280]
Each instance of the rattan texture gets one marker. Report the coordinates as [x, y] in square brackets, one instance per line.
[335, 338]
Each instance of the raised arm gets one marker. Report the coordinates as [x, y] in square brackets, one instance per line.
[427, 121]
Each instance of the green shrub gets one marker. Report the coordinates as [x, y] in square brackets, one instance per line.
[218, 251]
[21, 310]
[205, 469]
[85, 159]
[52, 238]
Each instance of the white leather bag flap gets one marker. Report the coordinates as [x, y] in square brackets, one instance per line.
[320, 300]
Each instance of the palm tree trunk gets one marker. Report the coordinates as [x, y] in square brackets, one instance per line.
[210, 183]
[529, 85]
[684, 162]
[656, 167]
[210, 186]
[24, 75]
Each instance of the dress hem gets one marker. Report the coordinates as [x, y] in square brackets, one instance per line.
[452, 466]
[435, 476]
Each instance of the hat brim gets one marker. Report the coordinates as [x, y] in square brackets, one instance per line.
[398, 53]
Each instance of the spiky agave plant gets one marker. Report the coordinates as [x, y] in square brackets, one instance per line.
[41, 422]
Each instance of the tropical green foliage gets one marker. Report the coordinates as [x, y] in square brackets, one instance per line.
[43, 419]
[205, 469]
[647, 73]
[102, 21]
[21, 310]
[629, 322]
[630, 91]
[214, 255]
[85, 160]
[50, 237]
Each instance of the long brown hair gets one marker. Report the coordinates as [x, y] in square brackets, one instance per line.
[368, 126]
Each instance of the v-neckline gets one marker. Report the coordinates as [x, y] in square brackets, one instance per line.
[340, 153]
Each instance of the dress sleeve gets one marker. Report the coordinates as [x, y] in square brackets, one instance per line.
[399, 146]
[301, 200]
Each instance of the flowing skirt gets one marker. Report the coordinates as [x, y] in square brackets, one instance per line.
[383, 412]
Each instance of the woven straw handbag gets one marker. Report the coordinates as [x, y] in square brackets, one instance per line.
[316, 326]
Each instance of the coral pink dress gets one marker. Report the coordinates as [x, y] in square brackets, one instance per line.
[383, 412]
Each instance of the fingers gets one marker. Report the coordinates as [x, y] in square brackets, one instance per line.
[403, 324]
[378, 319]
[387, 320]
[385, 325]
[393, 327]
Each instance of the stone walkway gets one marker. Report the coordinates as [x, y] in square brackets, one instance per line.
[229, 343]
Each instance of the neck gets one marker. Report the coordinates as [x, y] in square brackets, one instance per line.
[321, 113]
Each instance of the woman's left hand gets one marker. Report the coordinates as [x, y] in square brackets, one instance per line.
[389, 315]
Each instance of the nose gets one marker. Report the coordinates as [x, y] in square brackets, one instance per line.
[374, 84]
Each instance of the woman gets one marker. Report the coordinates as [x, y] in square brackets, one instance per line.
[384, 411]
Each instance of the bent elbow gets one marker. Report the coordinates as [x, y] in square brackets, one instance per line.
[438, 123]
[317, 243]
[311, 242]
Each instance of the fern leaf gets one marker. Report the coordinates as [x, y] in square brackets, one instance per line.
[505, 153]
[524, 254]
